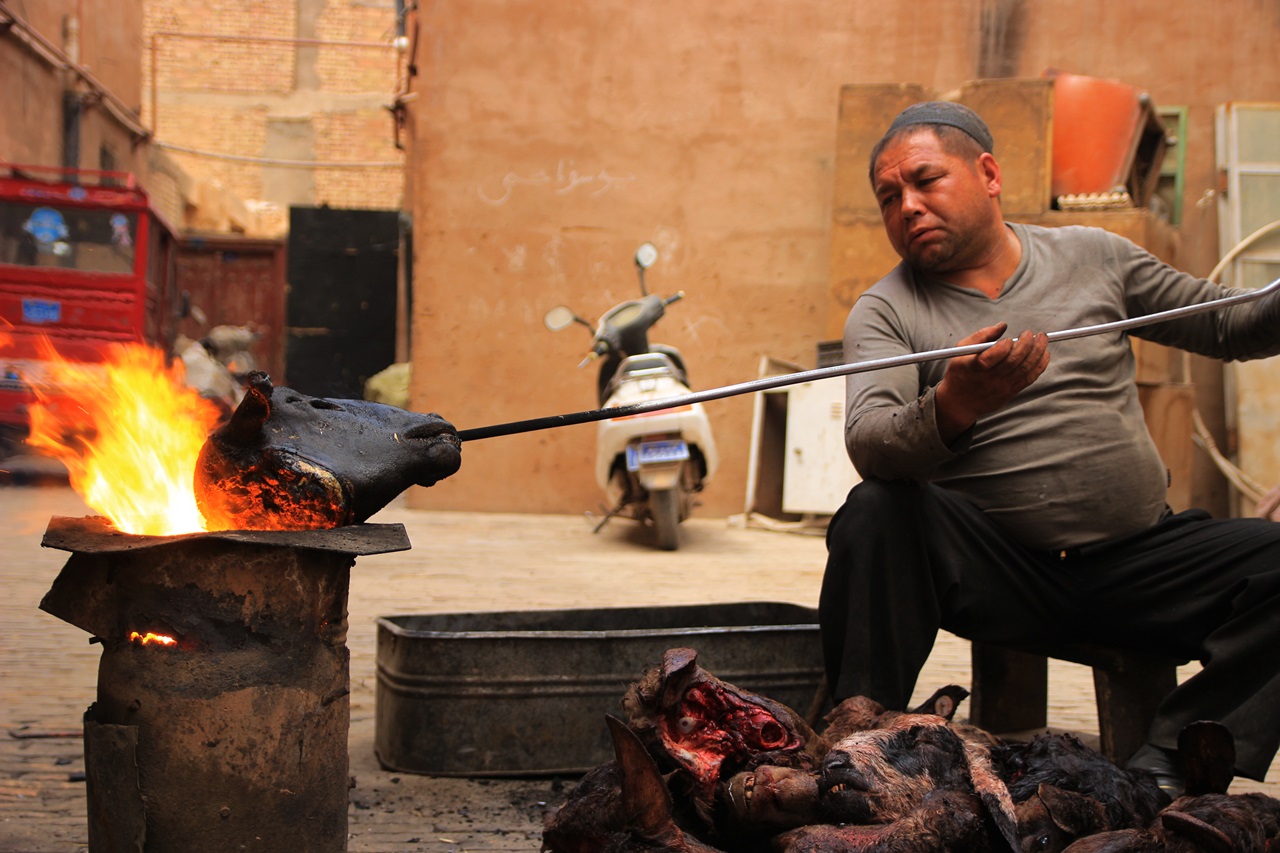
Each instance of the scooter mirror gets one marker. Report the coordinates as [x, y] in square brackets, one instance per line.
[559, 318]
[646, 255]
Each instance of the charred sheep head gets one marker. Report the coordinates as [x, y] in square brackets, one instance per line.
[287, 461]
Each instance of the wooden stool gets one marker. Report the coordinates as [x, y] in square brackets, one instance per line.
[1011, 690]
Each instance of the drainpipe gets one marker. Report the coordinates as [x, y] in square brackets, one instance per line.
[72, 105]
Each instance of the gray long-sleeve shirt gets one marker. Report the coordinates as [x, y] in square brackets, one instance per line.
[1069, 461]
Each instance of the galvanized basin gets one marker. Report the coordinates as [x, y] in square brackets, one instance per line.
[525, 693]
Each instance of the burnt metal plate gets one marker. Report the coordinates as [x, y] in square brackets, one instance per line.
[96, 535]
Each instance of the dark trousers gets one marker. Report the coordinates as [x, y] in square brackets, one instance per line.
[905, 560]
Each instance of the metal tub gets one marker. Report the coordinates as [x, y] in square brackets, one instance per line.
[524, 693]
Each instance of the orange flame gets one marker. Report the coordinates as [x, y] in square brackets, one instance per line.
[129, 432]
[149, 638]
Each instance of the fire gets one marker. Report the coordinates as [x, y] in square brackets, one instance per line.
[149, 638]
[129, 432]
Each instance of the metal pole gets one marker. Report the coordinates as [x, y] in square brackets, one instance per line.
[770, 382]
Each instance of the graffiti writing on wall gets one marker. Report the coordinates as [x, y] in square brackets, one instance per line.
[566, 179]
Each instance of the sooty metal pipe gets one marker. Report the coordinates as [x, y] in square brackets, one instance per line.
[770, 382]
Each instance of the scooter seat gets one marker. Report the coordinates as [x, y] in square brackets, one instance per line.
[651, 364]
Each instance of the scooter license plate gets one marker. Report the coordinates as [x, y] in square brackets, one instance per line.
[649, 452]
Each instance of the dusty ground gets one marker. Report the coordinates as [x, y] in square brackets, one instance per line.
[459, 562]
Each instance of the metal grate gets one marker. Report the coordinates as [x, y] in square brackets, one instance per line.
[830, 353]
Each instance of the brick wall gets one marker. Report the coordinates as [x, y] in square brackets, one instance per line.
[191, 65]
[222, 86]
[347, 137]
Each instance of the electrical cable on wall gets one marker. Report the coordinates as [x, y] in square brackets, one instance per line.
[272, 161]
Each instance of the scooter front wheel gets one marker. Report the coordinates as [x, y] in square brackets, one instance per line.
[664, 507]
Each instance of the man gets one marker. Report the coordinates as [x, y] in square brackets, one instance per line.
[1015, 495]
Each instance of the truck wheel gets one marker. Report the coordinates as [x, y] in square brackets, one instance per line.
[664, 506]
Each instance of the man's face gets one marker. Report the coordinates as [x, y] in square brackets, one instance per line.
[938, 208]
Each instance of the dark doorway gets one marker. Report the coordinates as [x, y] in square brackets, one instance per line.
[341, 307]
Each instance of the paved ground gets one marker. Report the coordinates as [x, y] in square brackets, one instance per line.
[459, 562]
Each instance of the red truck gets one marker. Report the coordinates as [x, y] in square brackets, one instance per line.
[85, 262]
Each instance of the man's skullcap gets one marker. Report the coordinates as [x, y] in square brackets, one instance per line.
[948, 113]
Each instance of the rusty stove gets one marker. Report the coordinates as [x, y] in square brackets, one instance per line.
[227, 728]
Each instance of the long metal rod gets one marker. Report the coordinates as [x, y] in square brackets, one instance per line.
[769, 382]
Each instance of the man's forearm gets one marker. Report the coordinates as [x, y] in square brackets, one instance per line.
[900, 443]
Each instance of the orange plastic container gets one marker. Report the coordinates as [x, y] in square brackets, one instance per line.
[1106, 138]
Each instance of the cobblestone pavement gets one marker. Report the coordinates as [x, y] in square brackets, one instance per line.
[459, 562]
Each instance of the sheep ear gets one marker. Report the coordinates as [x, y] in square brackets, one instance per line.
[944, 701]
[995, 796]
[1073, 813]
[244, 427]
[1205, 837]
[645, 798]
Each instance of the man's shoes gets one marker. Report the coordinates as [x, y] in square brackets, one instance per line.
[1163, 765]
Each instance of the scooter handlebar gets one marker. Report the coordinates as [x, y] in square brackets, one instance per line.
[676, 297]
[600, 350]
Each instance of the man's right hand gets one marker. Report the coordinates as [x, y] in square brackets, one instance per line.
[974, 385]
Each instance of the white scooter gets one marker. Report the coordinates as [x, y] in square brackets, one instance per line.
[649, 465]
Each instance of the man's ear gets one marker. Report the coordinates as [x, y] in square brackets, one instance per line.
[990, 170]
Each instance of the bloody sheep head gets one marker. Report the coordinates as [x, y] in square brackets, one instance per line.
[710, 728]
